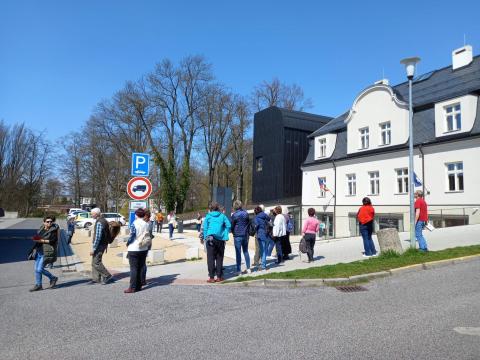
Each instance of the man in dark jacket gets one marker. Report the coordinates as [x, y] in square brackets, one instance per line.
[240, 223]
[100, 244]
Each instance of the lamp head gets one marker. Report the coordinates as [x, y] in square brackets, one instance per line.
[410, 64]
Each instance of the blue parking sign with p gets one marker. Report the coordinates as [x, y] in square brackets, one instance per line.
[140, 164]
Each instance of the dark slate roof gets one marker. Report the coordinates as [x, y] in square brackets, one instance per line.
[424, 134]
[439, 85]
[332, 126]
[444, 84]
[300, 120]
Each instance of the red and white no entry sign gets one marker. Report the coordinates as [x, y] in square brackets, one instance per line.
[139, 188]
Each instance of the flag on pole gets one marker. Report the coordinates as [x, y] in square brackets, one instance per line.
[416, 180]
[322, 184]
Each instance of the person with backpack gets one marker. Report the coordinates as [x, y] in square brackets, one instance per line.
[101, 239]
[240, 222]
[46, 251]
[216, 229]
[261, 222]
[285, 241]
[70, 229]
[310, 228]
[137, 246]
[159, 221]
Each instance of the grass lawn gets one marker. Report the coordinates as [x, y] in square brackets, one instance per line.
[386, 261]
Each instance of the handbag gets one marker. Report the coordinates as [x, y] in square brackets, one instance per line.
[146, 241]
[302, 247]
[429, 226]
[32, 254]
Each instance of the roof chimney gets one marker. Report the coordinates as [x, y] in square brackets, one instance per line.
[462, 57]
[382, 82]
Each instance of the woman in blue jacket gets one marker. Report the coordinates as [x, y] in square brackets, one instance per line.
[216, 228]
[261, 223]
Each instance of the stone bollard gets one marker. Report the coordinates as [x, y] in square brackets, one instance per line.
[192, 253]
[388, 239]
[156, 257]
[114, 243]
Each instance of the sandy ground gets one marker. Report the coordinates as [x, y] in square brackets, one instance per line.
[82, 244]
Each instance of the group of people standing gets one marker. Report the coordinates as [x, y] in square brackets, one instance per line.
[270, 231]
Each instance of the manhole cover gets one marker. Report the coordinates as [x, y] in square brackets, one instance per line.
[351, 288]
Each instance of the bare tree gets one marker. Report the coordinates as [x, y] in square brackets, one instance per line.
[276, 93]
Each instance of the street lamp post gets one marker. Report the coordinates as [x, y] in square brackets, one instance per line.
[410, 64]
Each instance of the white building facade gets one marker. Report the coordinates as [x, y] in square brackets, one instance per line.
[364, 152]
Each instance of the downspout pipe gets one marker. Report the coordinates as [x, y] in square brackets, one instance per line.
[334, 200]
[420, 148]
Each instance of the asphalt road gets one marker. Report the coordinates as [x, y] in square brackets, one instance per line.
[411, 316]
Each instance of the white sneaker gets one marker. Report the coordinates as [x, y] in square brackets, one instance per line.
[249, 271]
[366, 256]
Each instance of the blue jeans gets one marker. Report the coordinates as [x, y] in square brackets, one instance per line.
[270, 244]
[422, 243]
[170, 230]
[241, 243]
[40, 269]
[262, 245]
[366, 230]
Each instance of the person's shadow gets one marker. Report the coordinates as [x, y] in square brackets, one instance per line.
[160, 281]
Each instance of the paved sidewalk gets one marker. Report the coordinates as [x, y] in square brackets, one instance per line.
[326, 253]
[5, 223]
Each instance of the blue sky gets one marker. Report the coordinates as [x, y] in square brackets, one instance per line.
[59, 58]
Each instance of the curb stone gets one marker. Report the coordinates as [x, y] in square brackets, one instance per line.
[369, 276]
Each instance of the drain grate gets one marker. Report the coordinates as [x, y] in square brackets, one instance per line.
[351, 288]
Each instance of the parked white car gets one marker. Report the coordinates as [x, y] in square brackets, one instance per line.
[87, 222]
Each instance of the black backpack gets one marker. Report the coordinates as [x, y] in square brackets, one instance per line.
[252, 228]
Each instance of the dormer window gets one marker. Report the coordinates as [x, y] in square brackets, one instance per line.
[322, 147]
[364, 138]
[453, 118]
[385, 133]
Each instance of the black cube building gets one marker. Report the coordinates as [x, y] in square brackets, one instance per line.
[280, 146]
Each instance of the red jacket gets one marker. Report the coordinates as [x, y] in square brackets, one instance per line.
[366, 214]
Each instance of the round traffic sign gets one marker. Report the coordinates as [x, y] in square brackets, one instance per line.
[139, 188]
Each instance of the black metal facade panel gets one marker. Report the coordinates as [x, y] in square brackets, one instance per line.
[295, 152]
[268, 145]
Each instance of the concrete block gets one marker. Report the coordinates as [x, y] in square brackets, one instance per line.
[279, 283]
[192, 253]
[115, 243]
[309, 282]
[156, 257]
[406, 269]
[388, 239]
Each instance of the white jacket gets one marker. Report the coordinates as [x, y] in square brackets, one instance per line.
[279, 226]
[141, 228]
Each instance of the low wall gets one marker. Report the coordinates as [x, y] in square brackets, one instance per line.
[11, 215]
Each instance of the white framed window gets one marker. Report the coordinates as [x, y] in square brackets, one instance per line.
[364, 138]
[454, 176]
[385, 133]
[453, 117]
[351, 184]
[374, 182]
[322, 180]
[402, 180]
[322, 147]
[259, 163]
